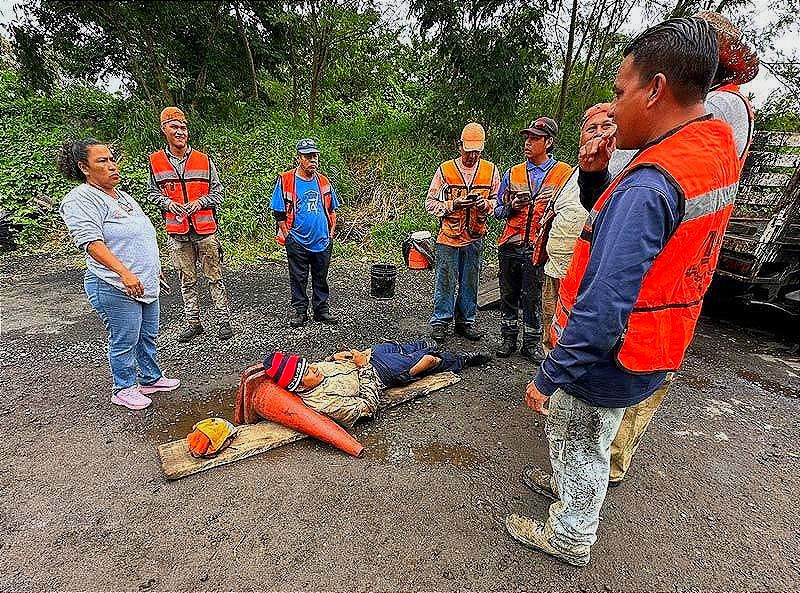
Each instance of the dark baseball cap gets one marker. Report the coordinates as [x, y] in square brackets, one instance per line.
[307, 146]
[542, 126]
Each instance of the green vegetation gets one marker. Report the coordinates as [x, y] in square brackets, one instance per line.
[385, 94]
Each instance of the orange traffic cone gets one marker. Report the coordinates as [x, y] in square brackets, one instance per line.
[265, 399]
[252, 377]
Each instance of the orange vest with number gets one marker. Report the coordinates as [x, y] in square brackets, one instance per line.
[287, 181]
[192, 185]
[465, 225]
[523, 225]
[700, 159]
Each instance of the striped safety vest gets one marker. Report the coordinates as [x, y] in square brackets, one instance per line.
[287, 181]
[700, 159]
[191, 186]
[522, 226]
[465, 225]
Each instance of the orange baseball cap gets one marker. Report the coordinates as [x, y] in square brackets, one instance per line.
[473, 137]
[171, 113]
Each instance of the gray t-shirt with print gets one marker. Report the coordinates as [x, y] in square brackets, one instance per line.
[92, 215]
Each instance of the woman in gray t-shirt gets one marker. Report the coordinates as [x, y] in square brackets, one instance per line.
[122, 268]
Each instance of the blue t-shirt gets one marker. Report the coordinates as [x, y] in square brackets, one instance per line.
[310, 226]
[629, 232]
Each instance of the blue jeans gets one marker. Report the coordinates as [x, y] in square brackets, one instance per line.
[132, 328]
[462, 266]
[393, 362]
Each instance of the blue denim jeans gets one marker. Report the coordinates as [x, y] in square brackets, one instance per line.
[393, 362]
[132, 328]
[456, 266]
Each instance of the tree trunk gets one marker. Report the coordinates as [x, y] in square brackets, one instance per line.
[248, 53]
[568, 61]
[200, 82]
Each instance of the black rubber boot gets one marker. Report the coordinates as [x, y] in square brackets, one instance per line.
[534, 352]
[469, 332]
[475, 359]
[299, 319]
[507, 348]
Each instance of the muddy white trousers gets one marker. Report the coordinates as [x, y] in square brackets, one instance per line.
[580, 437]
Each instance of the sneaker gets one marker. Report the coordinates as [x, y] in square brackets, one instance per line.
[533, 353]
[467, 331]
[225, 332]
[326, 318]
[132, 398]
[163, 384]
[190, 332]
[439, 334]
[507, 348]
[538, 481]
[536, 535]
[299, 319]
[475, 359]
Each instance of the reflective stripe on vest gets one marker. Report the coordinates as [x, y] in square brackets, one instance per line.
[662, 323]
[465, 225]
[523, 226]
[287, 181]
[189, 187]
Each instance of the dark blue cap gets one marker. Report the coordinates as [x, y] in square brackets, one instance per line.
[307, 146]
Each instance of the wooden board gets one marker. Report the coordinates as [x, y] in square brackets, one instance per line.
[252, 439]
[489, 295]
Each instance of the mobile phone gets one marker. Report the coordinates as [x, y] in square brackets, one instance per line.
[164, 286]
[473, 197]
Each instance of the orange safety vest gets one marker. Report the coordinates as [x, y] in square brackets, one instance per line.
[524, 224]
[700, 159]
[191, 186]
[734, 90]
[287, 181]
[465, 225]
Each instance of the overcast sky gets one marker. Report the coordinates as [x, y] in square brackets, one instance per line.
[761, 87]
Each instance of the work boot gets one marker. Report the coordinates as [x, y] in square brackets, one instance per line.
[325, 317]
[507, 348]
[538, 481]
[439, 334]
[615, 483]
[190, 332]
[536, 535]
[474, 359]
[225, 332]
[533, 352]
[467, 330]
[299, 319]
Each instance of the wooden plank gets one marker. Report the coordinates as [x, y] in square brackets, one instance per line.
[253, 439]
[489, 294]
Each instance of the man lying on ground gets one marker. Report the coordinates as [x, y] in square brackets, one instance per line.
[348, 385]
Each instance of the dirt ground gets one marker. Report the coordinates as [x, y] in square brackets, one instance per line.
[709, 504]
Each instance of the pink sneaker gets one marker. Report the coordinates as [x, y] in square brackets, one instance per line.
[131, 398]
[163, 384]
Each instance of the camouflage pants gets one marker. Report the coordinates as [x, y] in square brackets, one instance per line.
[208, 253]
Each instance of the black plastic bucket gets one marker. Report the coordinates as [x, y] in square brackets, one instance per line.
[382, 281]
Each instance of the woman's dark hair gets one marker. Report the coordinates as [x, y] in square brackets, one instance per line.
[73, 152]
[684, 50]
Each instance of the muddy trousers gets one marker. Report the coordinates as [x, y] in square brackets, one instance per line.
[549, 300]
[185, 256]
[634, 423]
[520, 290]
[301, 261]
[459, 266]
[132, 328]
[579, 436]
